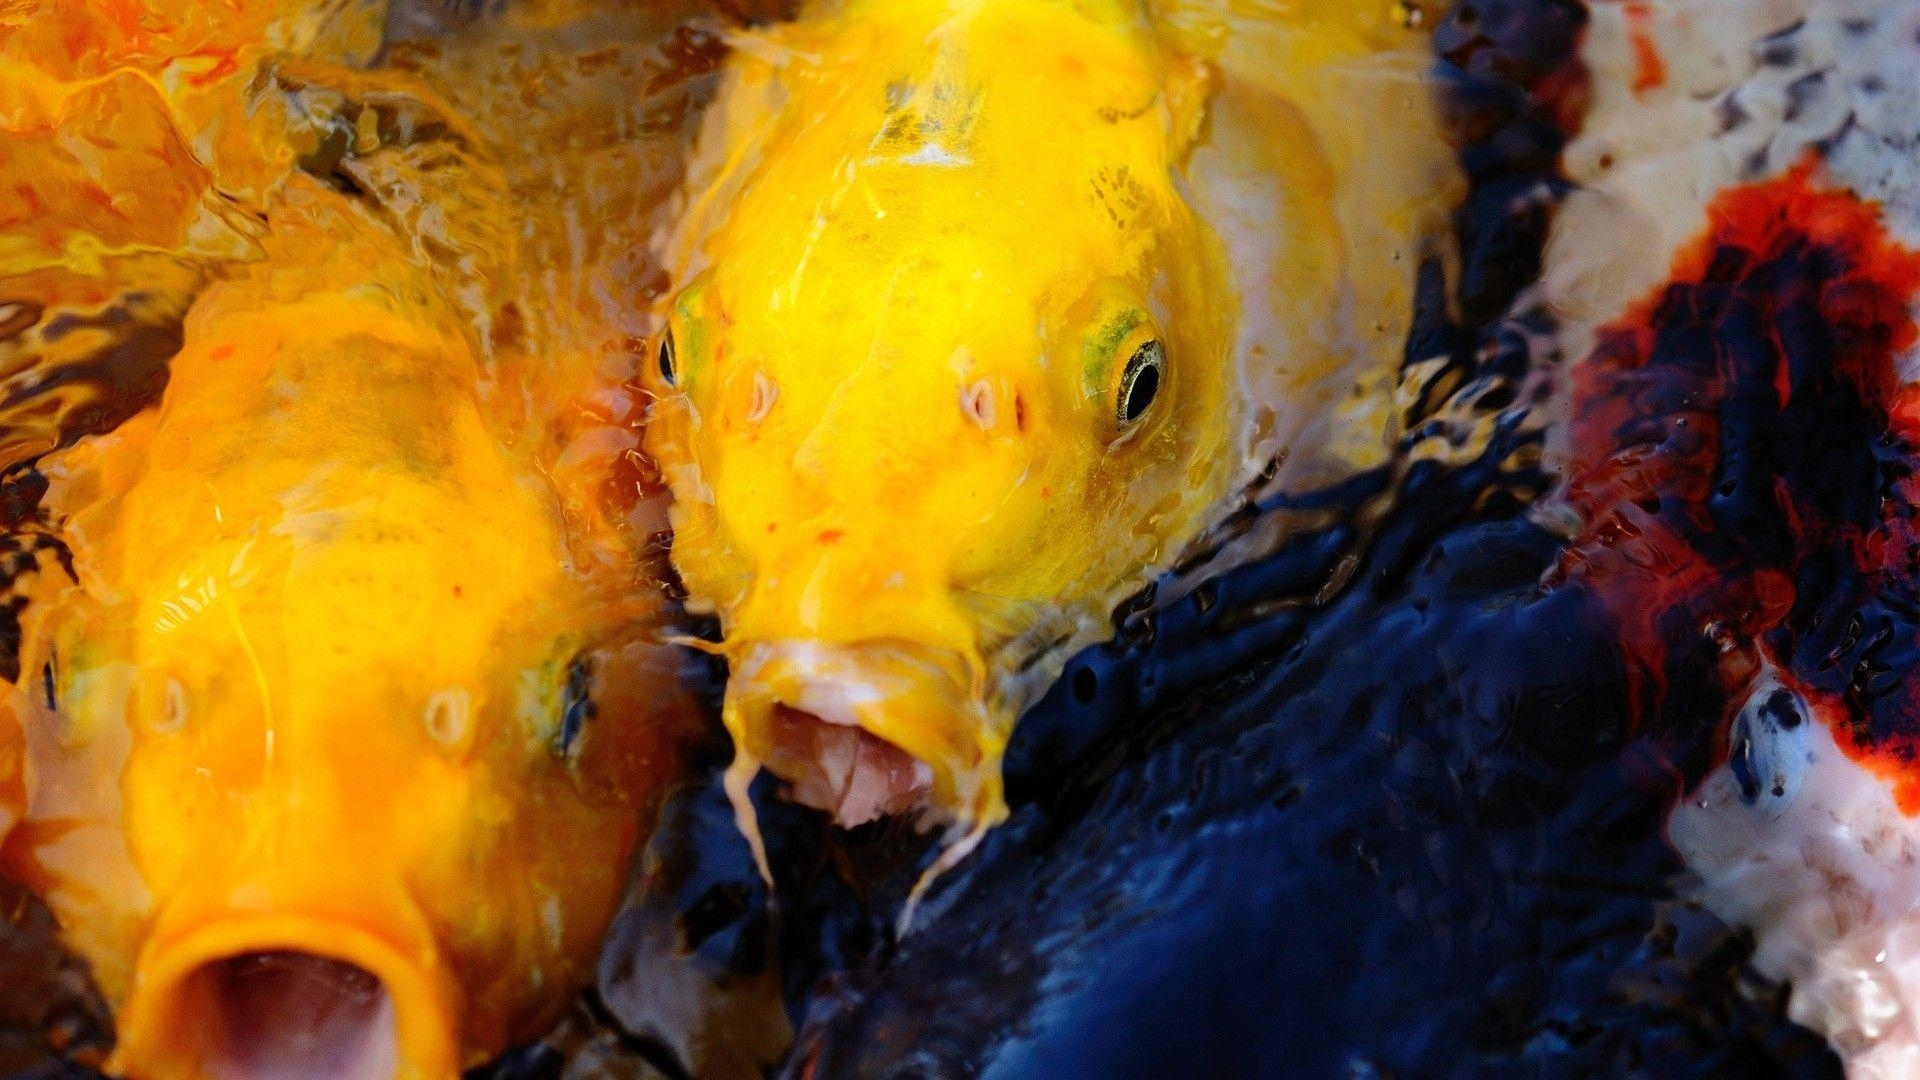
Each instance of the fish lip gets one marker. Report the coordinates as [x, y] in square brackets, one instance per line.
[813, 684]
[426, 1001]
[925, 744]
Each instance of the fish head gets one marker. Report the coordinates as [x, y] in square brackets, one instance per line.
[952, 381]
[379, 757]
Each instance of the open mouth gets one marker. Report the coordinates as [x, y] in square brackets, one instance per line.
[284, 998]
[291, 1016]
[837, 767]
[864, 730]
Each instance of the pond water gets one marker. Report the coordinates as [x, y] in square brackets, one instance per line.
[1568, 734]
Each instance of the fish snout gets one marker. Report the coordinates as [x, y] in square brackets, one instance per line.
[281, 997]
[868, 729]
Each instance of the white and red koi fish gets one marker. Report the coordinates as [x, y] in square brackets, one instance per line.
[1743, 449]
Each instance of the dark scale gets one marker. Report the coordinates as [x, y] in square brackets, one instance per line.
[1802, 92]
[1781, 48]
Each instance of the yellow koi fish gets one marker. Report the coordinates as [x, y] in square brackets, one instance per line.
[983, 308]
[332, 719]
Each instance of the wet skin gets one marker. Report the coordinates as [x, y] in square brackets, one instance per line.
[961, 356]
[339, 712]
[324, 669]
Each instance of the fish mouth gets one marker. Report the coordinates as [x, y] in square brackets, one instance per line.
[867, 730]
[286, 998]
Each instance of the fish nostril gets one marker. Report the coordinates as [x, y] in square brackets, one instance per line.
[289, 1016]
[173, 709]
[448, 718]
[765, 393]
[976, 400]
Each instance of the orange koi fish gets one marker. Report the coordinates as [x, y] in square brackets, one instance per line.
[331, 719]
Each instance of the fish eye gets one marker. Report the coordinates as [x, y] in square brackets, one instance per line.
[576, 704]
[1140, 382]
[669, 359]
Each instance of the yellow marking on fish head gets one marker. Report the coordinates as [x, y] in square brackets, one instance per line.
[953, 377]
[331, 625]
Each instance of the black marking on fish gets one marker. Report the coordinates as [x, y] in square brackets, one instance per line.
[1783, 709]
[1782, 47]
[1802, 92]
[1732, 114]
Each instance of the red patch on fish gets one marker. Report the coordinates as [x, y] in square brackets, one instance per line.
[1649, 71]
[1744, 459]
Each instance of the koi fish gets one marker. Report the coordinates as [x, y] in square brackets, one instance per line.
[1741, 452]
[330, 720]
[983, 309]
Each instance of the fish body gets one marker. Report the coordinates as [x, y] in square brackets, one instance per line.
[335, 719]
[977, 324]
[1741, 448]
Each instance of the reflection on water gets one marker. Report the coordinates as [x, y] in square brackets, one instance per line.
[1426, 762]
